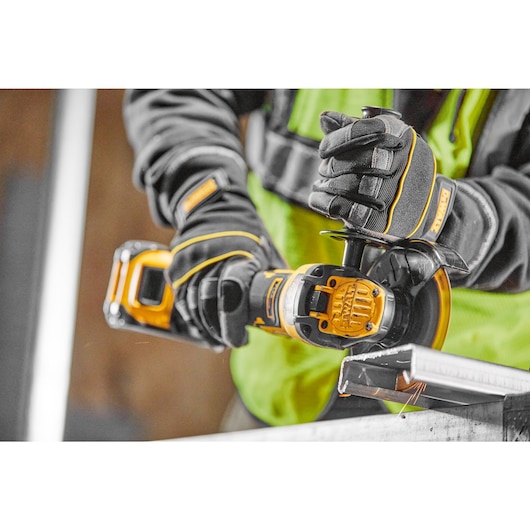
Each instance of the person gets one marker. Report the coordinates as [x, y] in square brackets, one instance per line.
[248, 179]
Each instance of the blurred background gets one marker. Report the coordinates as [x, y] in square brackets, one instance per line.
[122, 385]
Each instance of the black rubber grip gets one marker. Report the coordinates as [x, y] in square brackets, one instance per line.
[265, 293]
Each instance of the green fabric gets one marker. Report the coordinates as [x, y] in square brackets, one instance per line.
[453, 158]
[284, 381]
[490, 326]
[309, 103]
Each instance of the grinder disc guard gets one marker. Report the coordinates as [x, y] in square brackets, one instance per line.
[422, 289]
[416, 273]
[430, 313]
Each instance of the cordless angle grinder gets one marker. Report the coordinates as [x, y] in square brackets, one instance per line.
[402, 296]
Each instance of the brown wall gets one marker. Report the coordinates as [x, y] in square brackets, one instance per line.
[162, 388]
[170, 389]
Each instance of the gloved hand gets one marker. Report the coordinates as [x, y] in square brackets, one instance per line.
[379, 174]
[220, 245]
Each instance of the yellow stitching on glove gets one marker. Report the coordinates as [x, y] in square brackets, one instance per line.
[177, 283]
[216, 235]
[400, 190]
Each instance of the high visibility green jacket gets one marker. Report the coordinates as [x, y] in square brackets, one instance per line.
[480, 137]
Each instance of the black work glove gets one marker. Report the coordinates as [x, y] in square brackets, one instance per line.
[379, 174]
[220, 246]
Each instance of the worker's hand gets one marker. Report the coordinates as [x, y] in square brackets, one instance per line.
[378, 173]
[220, 246]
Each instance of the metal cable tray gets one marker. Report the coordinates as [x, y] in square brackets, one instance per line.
[428, 378]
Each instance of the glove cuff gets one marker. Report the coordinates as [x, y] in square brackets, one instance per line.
[202, 188]
[201, 179]
[471, 230]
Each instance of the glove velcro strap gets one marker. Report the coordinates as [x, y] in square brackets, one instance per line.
[190, 262]
[206, 190]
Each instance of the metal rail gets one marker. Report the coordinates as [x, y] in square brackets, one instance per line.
[505, 420]
[483, 401]
[69, 175]
[437, 378]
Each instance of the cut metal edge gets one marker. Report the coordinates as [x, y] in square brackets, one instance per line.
[423, 364]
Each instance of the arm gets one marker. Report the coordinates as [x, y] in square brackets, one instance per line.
[364, 184]
[189, 160]
[490, 227]
[178, 134]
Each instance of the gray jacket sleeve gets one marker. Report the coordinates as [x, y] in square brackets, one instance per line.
[490, 222]
[178, 135]
[490, 228]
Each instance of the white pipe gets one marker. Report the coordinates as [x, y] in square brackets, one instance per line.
[70, 171]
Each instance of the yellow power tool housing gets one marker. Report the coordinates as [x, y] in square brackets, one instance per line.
[404, 297]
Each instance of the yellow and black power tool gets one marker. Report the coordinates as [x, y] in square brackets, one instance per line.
[400, 296]
[403, 297]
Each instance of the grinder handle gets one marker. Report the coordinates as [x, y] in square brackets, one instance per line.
[354, 249]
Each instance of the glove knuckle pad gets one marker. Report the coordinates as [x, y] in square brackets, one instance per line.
[380, 175]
